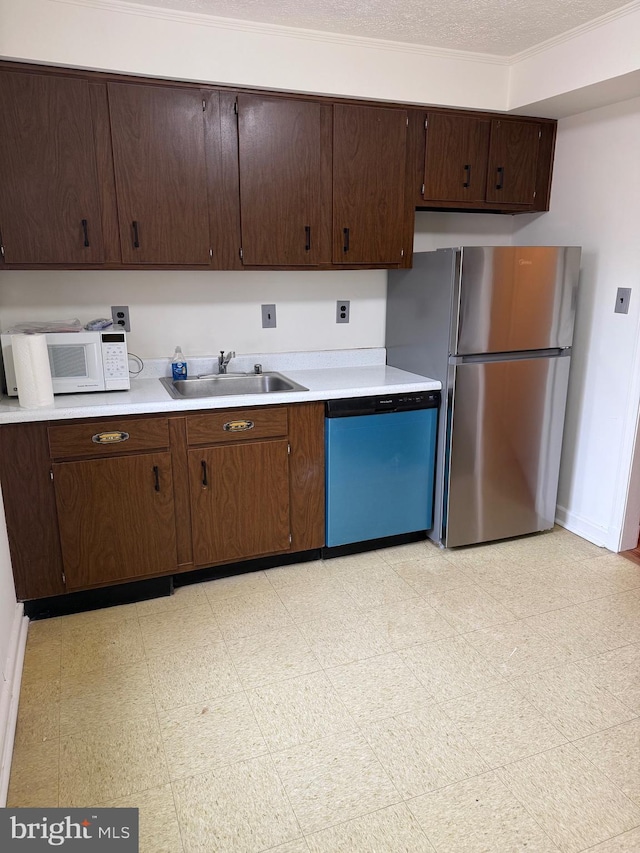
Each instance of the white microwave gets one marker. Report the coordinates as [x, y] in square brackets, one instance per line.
[79, 361]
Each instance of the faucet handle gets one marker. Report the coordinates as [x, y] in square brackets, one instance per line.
[257, 368]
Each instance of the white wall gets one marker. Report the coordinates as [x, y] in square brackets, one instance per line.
[205, 312]
[446, 230]
[593, 63]
[573, 72]
[595, 203]
[160, 42]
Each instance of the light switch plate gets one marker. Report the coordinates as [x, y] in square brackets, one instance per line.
[268, 316]
[623, 297]
[342, 311]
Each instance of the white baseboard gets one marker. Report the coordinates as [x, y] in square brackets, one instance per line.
[9, 697]
[586, 529]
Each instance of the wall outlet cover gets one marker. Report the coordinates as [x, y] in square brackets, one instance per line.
[342, 310]
[120, 317]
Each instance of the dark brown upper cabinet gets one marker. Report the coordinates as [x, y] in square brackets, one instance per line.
[482, 162]
[369, 173]
[284, 166]
[160, 162]
[513, 161]
[103, 171]
[456, 155]
[49, 196]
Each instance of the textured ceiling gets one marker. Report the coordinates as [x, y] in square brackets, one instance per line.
[501, 27]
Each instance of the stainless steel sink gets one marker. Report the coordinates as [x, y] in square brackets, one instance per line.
[230, 384]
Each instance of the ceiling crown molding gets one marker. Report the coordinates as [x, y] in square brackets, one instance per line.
[576, 32]
[197, 19]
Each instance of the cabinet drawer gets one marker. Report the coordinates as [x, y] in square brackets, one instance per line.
[238, 425]
[107, 438]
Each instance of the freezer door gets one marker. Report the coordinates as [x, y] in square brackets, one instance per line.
[515, 298]
[504, 449]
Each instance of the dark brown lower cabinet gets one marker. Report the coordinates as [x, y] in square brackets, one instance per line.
[180, 492]
[239, 500]
[116, 518]
[30, 510]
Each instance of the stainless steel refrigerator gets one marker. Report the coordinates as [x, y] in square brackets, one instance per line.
[495, 326]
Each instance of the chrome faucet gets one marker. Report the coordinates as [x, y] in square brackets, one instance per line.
[223, 361]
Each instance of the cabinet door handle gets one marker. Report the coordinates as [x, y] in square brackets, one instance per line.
[205, 481]
[500, 183]
[136, 237]
[85, 232]
[156, 475]
[307, 238]
[345, 244]
[467, 177]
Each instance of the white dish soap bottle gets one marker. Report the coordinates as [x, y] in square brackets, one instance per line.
[178, 365]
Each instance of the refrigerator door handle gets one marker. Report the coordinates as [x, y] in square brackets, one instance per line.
[483, 358]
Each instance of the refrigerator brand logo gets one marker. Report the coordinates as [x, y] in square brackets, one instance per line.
[72, 829]
[525, 263]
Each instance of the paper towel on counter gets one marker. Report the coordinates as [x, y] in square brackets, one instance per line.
[33, 373]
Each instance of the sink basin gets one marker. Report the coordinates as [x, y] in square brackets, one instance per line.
[230, 384]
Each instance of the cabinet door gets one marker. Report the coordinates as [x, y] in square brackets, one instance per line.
[513, 161]
[239, 500]
[49, 201]
[161, 174]
[457, 148]
[369, 157]
[281, 161]
[116, 518]
[30, 510]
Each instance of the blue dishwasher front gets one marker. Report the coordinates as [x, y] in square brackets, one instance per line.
[380, 461]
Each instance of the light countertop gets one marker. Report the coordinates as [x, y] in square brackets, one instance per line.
[147, 395]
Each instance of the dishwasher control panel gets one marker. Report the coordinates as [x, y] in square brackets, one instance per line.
[357, 406]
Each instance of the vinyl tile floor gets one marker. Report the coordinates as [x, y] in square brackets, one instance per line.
[483, 700]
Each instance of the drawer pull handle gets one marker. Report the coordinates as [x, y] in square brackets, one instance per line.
[238, 426]
[500, 172]
[467, 176]
[307, 238]
[205, 481]
[136, 236]
[345, 240]
[85, 232]
[156, 474]
[113, 437]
